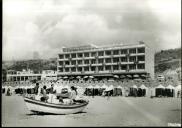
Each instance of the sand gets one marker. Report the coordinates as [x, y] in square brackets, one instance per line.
[101, 111]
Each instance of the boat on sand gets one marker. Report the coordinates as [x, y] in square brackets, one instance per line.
[52, 108]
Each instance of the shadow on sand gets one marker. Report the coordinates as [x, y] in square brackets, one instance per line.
[176, 110]
[43, 113]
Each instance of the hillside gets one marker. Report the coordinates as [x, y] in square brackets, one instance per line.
[35, 65]
[167, 59]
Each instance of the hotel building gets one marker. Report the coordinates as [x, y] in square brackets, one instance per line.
[121, 60]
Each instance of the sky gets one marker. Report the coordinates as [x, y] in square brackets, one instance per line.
[43, 27]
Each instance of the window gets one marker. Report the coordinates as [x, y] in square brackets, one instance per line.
[93, 54]
[141, 66]
[79, 61]
[86, 68]
[141, 50]
[101, 61]
[79, 69]
[60, 62]
[92, 68]
[100, 68]
[93, 61]
[22, 78]
[14, 78]
[61, 69]
[108, 53]
[115, 60]
[132, 66]
[132, 59]
[73, 62]
[66, 69]
[80, 55]
[141, 58]
[86, 54]
[101, 53]
[116, 52]
[123, 67]
[26, 77]
[67, 62]
[123, 59]
[133, 50]
[108, 67]
[108, 60]
[73, 69]
[73, 55]
[115, 67]
[67, 56]
[60, 56]
[86, 62]
[39, 78]
[124, 51]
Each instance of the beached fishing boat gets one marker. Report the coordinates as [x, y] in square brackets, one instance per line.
[52, 108]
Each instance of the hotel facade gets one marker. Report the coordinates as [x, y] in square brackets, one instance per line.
[135, 60]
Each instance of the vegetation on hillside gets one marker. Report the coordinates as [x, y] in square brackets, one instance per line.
[35, 65]
[167, 59]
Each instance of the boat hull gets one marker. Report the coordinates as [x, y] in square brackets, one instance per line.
[39, 106]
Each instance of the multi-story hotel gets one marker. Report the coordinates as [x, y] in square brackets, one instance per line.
[122, 60]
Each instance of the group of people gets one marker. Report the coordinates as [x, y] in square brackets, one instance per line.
[70, 97]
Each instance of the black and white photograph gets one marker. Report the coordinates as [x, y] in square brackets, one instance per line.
[91, 63]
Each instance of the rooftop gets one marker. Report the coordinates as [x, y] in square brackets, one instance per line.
[92, 46]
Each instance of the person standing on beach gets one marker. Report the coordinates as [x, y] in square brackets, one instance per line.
[36, 89]
[45, 97]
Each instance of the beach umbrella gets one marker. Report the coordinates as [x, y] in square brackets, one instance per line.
[78, 77]
[116, 76]
[91, 77]
[136, 76]
[122, 76]
[143, 75]
[65, 77]
[129, 76]
[71, 77]
[85, 77]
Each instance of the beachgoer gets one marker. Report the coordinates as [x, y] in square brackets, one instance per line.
[178, 95]
[74, 96]
[73, 93]
[45, 97]
[36, 89]
[8, 92]
[52, 91]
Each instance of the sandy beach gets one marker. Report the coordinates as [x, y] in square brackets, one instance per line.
[101, 111]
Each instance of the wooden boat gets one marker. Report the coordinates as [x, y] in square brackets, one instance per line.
[52, 108]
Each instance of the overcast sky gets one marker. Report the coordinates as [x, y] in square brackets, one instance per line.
[44, 26]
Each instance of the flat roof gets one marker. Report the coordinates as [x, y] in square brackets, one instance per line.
[88, 48]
